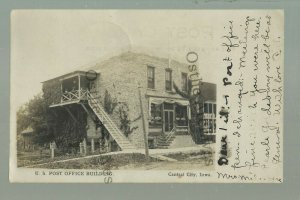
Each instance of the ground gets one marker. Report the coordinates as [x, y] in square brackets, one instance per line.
[199, 157]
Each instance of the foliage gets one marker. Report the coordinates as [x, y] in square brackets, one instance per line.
[52, 124]
[35, 114]
[52, 92]
[125, 122]
[196, 104]
[23, 121]
[65, 130]
[109, 103]
[56, 124]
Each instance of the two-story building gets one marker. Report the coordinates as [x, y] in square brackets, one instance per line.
[166, 113]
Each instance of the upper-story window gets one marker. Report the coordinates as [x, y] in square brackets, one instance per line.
[151, 77]
[168, 80]
[184, 82]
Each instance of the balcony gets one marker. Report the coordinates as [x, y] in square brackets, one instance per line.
[73, 88]
[75, 95]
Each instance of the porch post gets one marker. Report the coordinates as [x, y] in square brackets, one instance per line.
[80, 148]
[144, 125]
[188, 113]
[84, 147]
[213, 118]
[163, 117]
[61, 89]
[174, 117]
[52, 146]
[52, 153]
[79, 87]
[92, 145]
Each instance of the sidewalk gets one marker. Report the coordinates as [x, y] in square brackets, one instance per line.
[183, 149]
[168, 151]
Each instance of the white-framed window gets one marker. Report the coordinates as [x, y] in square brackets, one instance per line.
[184, 82]
[151, 77]
[168, 80]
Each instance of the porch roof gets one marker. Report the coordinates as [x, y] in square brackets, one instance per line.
[67, 75]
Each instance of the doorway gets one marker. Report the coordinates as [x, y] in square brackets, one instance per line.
[169, 120]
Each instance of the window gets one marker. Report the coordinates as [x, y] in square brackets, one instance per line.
[155, 120]
[168, 106]
[184, 82]
[181, 115]
[205, 107]
[210, 108]
[209, 120]
[215, 109]
[168, 80]
[150, 77]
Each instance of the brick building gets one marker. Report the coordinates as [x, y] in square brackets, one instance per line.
[119, 79]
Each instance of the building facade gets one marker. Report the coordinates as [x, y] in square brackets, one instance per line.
[127, 85]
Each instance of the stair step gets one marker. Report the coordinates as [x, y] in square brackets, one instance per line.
[162, 146]
[165, 140]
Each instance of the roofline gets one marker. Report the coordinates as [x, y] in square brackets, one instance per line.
[77, 72]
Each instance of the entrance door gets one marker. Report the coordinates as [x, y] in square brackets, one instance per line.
[169, 120]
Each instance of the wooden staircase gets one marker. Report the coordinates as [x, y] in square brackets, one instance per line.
[165, 140]
[110, 126]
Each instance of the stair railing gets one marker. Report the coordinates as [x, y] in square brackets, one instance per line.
[170, 135]
[90, 98]
[103, 115]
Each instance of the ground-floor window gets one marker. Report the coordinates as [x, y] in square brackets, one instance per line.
[181, 115]
[155, 120]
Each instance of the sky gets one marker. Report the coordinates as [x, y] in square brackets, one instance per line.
[49, 43]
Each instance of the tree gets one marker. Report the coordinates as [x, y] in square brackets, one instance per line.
[196, 106]
[51, 125]
[33, 114]
[22, 120]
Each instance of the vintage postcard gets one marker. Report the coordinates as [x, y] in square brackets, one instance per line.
[147, 96]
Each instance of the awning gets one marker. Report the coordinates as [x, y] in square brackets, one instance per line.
[159, 101]
[168, 100]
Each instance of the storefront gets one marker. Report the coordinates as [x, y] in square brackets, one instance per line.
[167, 114]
